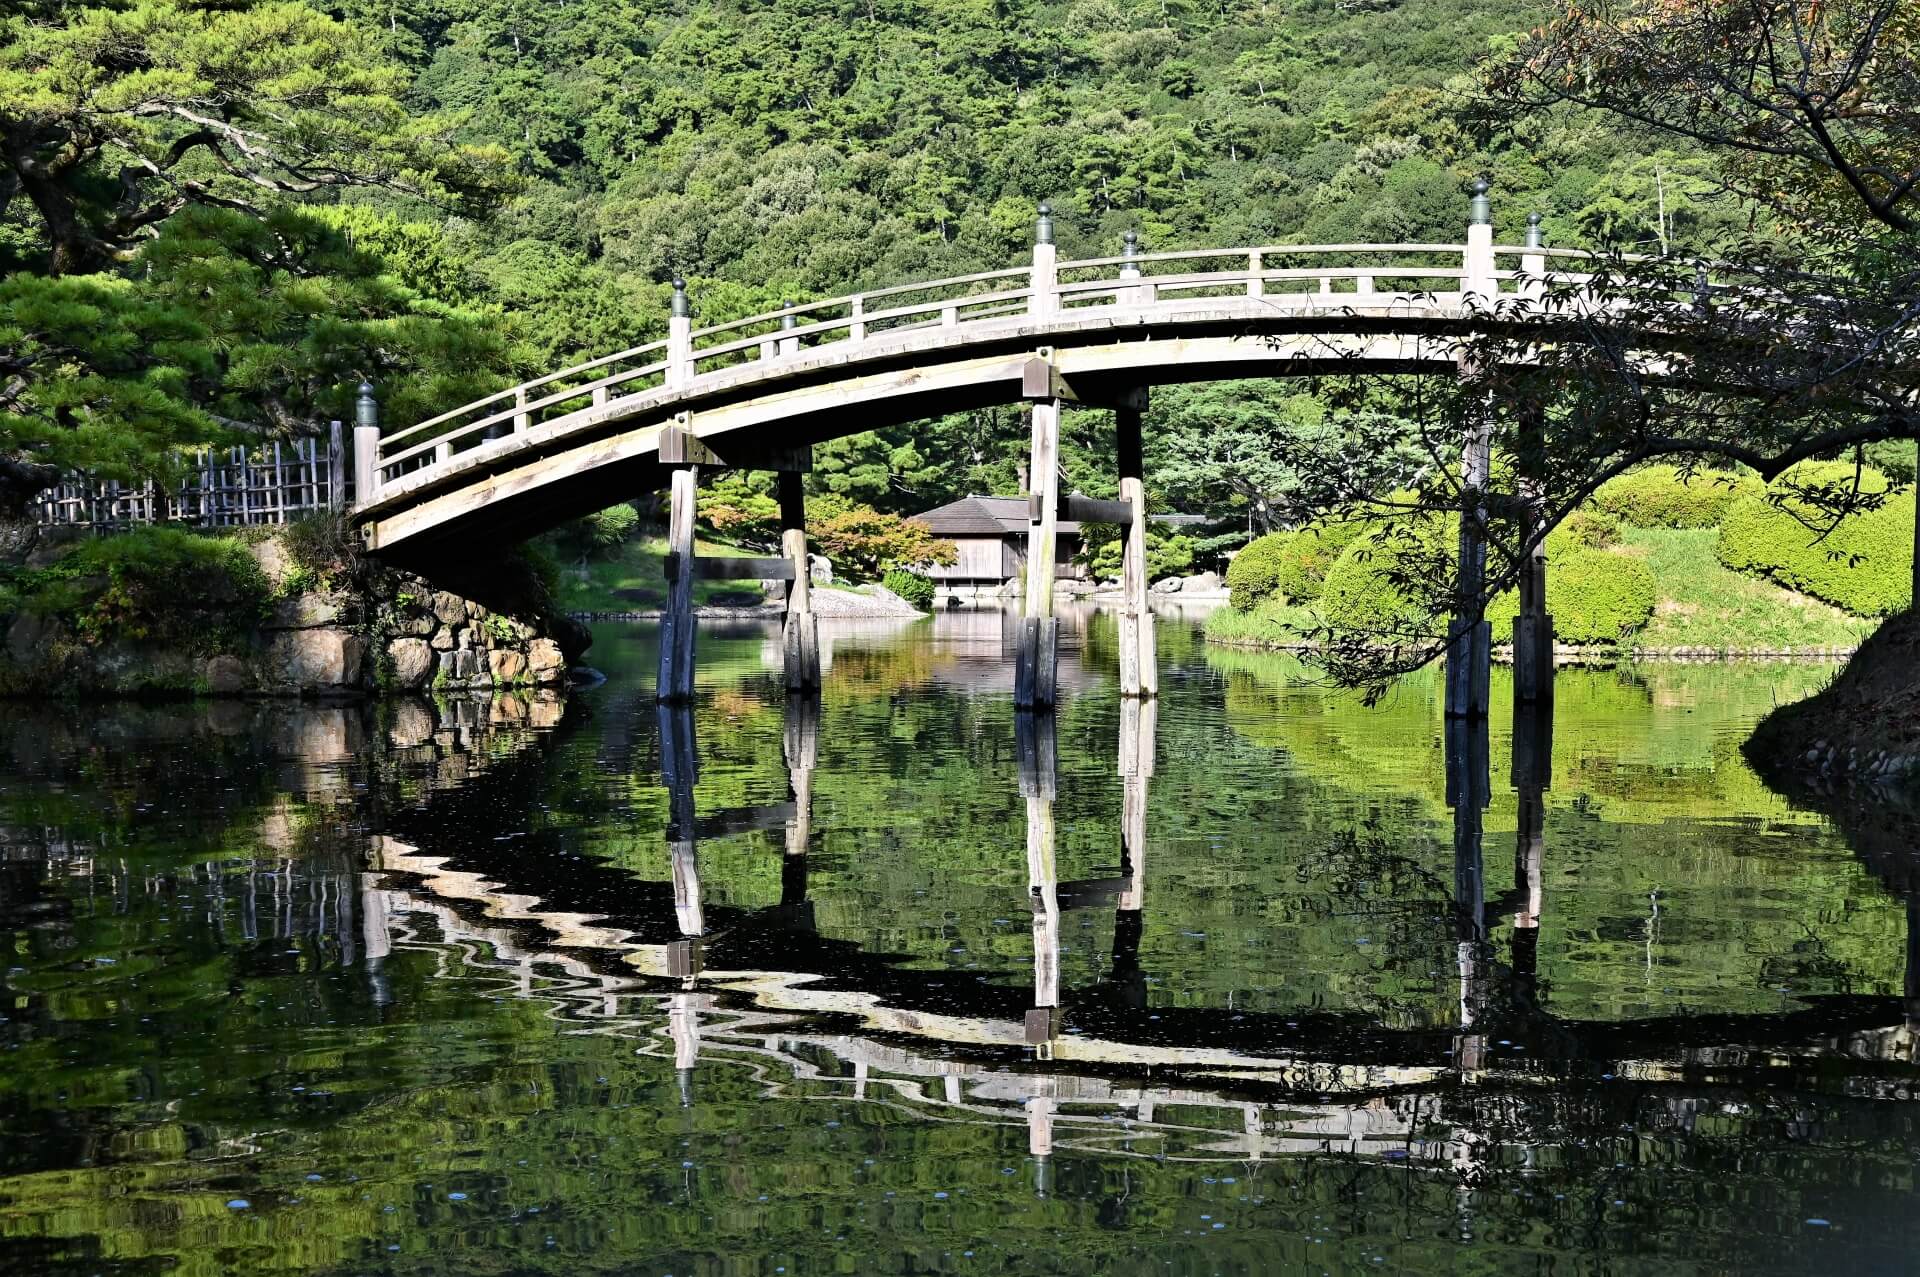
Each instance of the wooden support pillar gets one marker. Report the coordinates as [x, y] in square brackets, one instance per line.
[1037, 651]
[1533, 627]
[1139, 665]
[675, 682]
[802, 631]
[1470, 637]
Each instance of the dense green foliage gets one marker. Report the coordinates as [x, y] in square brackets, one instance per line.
[1656, 497]
[1289, 565]
[1863, 564]
[766, 151]
[911, 586]
[1594, 597]
[1362, 590]
[161, 584]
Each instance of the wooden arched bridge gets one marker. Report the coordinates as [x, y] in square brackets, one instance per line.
[756, 393]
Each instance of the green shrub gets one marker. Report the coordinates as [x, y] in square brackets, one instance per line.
[1584, 529]
[1654, 497]
[1594, 596]
[160, 584]
[1305, 558]
[911, 586]
[1253, 575]
[1287, 565]
[1358, 593]
[1864, 566]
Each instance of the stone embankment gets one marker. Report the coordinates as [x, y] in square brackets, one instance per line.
[361, 630]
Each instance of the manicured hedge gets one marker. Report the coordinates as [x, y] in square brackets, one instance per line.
[1594, 596]
[1655, 497]
[1865, 566]
[1286, 565]
[911, 586]
[1357, 593]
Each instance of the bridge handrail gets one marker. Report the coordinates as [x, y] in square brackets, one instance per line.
[589, 365]
[388, 460]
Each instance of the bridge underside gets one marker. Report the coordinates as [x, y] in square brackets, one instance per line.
[508, 489]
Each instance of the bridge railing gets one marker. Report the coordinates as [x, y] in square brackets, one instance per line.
[1477, 274]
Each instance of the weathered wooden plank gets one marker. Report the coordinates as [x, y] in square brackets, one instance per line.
[675, 682]
[679, 447]
[711, 568]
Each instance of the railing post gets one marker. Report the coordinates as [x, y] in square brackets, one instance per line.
[679, 336]
[857, 329]
[1478, 281]
[1533, 263]
[366, 447]
[1256, 265]
[1045, 297]
[788, 345]
[522, 420]
[336, 467]
[1137, 294]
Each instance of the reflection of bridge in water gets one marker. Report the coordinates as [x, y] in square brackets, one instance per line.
[1092, 1065]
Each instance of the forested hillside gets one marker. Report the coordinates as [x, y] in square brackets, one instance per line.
[443, 195]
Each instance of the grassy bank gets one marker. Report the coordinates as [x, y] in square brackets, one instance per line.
[1700, 604]
[1704, 604]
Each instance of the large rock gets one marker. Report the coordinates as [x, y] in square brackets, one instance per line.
[227, 676]
[1202, 583]
[451, 609]
[412, 662]
[307, 611]
[545, 662]
[315, 660]
[443, 640]
[507, 666]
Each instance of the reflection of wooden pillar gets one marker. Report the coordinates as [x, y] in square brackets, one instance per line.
[1139, 670]
[675, 682]
[1913, 960]
[680, 773]
[1035, 745]
[683, 1026]
[1036, 654]
[376, 940]
[1532, 776]
[802, 748]
[1468, 793]
[1138, 723]
[802, 631]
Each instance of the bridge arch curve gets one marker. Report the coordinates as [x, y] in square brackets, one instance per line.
[530, 457]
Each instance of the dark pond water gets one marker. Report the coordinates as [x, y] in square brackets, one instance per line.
[1254, 980]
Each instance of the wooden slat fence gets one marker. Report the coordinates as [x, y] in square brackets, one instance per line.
[267, 483]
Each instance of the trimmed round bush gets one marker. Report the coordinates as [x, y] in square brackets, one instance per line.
[1655, 497]
[1305, 558]
[1359, 594]
[1864, 566]
[1253, 575]
[1594, 596]
[1584, 529]
[911, 586]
